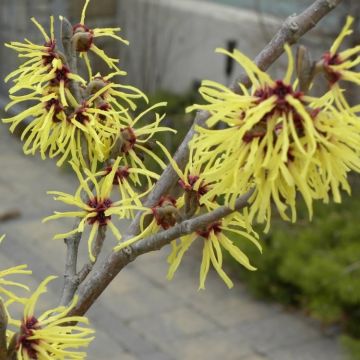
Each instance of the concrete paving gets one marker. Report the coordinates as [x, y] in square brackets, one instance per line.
[142, 316]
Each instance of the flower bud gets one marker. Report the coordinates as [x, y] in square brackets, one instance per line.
[165, 212]
[82, 41]
[305, 68]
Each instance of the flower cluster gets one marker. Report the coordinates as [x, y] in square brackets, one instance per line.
[46, 336]
[215, 239]
[279, 140]
[94, 203]
[49, 335]
[74, 119]
[84, 36]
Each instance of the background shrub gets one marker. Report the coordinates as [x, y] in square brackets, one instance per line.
[314, 266]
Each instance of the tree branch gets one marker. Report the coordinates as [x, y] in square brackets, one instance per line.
[71, 278]
[293, 28]
[99, 241]
[71, 281]
[162, 238]
[70, 54]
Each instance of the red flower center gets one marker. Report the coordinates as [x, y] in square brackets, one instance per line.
[104, 106]
[192, 179]
[128, 138]
[280, 90]
[205, 232]
[80, 114]
[282, 106]
[99, 207]
[60, 75]
[329, 60]
[164, 212]
[55, 103]
[51, 54]
[26, 330]
[121, 174]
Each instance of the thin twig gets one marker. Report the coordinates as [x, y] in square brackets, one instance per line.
[99, 241]
[117, 261]
[70, 54]
[293, 28]
[71, 280]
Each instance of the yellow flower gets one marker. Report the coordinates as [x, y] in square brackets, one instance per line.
[97, 210]
[132, 140]
[57, 78]
[49, 336]
[98, 126]
[4, 283]
[255, 149]
[337, 154]
[84, 40]
[47, 115]
[193, 182]
[272, 143]
[164, 214]
[338, 65]
[341, 65]
[63, 134]
[118, 96]
[128, 180]
[40, 56]
[46, 67]
[214, 241]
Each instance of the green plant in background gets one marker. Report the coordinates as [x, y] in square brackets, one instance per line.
[315, 266]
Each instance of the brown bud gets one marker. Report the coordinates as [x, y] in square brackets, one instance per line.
[128, 139]
[165, 212]
[82, 41]
[94, 86]
[305, 68]
[191, 203]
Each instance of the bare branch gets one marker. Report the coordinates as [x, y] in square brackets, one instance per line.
[99, 241]
[71, 281]
[70, 54]
[157, 241]
[71, 278]
[116, 261]
[293, 28]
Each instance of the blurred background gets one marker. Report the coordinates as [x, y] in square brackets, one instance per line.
[302, 303]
